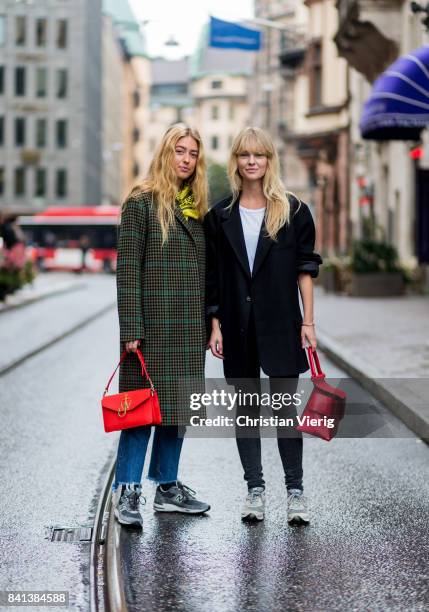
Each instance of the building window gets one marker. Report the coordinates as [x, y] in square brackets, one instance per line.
[41, 133]
[41, 31]
[215, 112]
[62, 83]
[20, 30]
[20, 81]
[1, 131]
[40, 186]
[2, 173]
[231, 111]
[136, 134]
[230, 141]
[2, 30]
[216, 84]
[62, 33]
[41, 82]
[61, 183]
[136, 98]
[61, 134]
[315, 73]
[214, 143]
[20, 131]
[2, 71]
[19, 181]
[136, 169]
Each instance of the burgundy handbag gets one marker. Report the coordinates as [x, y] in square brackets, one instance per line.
[131, 408]
[326, 404]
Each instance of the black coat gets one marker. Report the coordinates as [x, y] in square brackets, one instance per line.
[271, 291]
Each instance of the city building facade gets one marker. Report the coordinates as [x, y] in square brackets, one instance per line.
[133, 93]
[271, 96]
[112, 116]
[384, 176]
[50, 104]
[220, 82]
[170, 101]
[321, 125]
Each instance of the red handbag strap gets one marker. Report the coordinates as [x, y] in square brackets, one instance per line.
[144, 370]
[313, 358]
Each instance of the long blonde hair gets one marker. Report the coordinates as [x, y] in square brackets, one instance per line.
[161, 179]
[255, 140]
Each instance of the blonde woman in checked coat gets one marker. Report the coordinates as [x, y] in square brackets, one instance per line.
[160, 289]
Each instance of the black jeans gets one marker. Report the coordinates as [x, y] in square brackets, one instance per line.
[248, 438]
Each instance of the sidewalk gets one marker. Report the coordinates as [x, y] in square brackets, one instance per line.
[384, 343]
[43, 286]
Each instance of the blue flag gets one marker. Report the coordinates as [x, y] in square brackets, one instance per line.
[227, 35]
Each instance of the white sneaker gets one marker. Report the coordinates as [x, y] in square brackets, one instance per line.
[297, 509]
[254, 507]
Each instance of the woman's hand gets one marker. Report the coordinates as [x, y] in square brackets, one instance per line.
[216, 342]
[308, 334]
[132, 346]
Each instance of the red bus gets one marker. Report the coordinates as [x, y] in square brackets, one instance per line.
[73, 238]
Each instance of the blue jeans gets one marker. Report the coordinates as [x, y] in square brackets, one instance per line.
[164, 462]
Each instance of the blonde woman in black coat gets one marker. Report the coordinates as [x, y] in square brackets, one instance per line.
[260, 255]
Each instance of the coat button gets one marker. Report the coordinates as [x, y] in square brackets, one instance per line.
[248, 298]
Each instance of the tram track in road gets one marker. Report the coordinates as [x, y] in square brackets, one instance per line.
[31, 331]
[17, 362]
[105, 574]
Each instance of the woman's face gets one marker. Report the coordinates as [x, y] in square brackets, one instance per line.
[252, 165]
[185, 157]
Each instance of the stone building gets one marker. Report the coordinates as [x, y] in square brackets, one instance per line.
[132, 96]
[219, 85]
[301, 98]
[170, 101]
[50, 104]
[384, 175]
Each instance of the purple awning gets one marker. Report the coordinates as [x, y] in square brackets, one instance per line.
[398, 107]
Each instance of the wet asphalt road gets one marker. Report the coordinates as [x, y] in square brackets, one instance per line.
[54, 451]
[366, 549]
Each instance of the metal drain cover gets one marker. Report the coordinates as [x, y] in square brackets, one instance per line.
[71, 534]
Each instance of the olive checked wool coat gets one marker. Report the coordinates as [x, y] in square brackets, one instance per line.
[160, 291]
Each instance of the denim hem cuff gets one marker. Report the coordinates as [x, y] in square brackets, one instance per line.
[161, 480]
[115, 485]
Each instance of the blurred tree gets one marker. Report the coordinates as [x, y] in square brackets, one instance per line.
[218, 182]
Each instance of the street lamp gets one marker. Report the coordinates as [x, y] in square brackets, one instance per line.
[416, 7]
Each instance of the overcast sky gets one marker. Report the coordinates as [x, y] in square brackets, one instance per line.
[184, 21]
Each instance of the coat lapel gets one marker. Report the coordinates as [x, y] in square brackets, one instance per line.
[234, 232]
[264, 245]
[184, 221]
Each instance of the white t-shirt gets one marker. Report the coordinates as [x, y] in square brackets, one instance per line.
[251, 220]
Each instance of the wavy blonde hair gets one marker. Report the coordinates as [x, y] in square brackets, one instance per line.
[161, 179]
[255, 140]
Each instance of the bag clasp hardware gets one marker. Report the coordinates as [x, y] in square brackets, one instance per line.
[125, 404]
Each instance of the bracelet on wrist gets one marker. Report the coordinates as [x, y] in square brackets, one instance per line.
[308, 324]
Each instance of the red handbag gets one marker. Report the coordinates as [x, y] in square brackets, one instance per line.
[326, 405]
[131, 408]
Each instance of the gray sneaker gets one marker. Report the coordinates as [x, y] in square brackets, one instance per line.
[254, 507]
[179, 498]
[297, 509]
[126, 500]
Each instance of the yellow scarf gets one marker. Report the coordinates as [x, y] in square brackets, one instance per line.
[186, 201]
